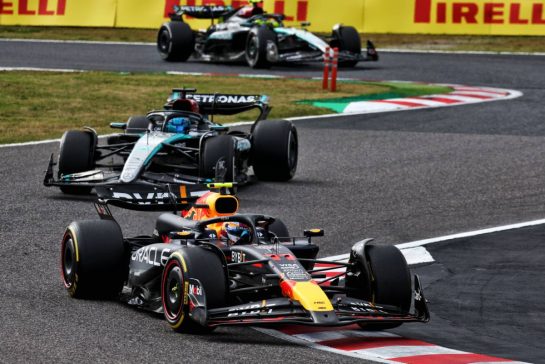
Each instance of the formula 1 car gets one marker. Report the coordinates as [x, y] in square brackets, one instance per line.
[177, 144]
[217, 267]
[261, 39]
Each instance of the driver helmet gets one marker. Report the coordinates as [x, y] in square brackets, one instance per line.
[236, 232]
[251, 10]
[178, 125]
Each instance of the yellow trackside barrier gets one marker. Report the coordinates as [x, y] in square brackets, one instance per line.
[91, 13]
[493, 17]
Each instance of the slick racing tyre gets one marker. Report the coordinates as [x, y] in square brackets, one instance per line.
[347, 39]
[93, 260]
[137, 125]
[256, 46]
[183, 265]
[279, 229]
[386, 282]
[214, 149]
[76, 154]
[274, 150]
[175, 41]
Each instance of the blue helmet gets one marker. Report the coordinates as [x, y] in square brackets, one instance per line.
[178, 125]
[237, 233]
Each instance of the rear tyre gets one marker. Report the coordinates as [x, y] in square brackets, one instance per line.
[196, 263]
[256, 46]
[279, 229]
[221, 146]
[175, 41]
[93, 261]
[347, 39]
[137, 125]
[76, 155]
[274, 150]
[388, 282]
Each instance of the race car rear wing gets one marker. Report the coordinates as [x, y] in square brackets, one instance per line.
[223, 104]
[201, 12]
[156, 197]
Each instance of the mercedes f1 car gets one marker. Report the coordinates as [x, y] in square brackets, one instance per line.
[217, 267]
[179, 144]
[260, 39]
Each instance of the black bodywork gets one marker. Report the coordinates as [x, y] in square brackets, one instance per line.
[228, 38]
[176, 158]
[261, 277]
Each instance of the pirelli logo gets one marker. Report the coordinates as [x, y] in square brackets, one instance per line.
[473, 12]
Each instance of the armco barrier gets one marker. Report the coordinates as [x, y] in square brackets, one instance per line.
[495, 17]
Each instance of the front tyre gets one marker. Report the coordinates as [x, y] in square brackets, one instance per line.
[256, 46]
[137, 125]
[381, 276]
[274, 150]
[76, 155]
[175, 41]
[191, 263]
[214, 149]
[347, 39]
[173, 294]
[93, 261]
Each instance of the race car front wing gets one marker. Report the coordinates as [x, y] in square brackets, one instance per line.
[346, 311]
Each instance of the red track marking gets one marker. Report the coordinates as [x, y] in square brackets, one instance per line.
[439, 99]
[472, 95]
[402, 103]
[359, 343]
[449, 359]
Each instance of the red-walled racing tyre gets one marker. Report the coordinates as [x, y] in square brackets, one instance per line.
[191, 263]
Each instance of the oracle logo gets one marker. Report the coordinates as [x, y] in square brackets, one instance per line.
[301, 13]
[45, 7]
[478, 13]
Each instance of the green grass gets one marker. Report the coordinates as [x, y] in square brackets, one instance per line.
[404, 41]
[42, 105]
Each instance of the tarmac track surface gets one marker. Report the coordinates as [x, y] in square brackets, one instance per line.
[396, 176]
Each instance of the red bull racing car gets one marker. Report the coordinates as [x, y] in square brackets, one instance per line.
[215, 267]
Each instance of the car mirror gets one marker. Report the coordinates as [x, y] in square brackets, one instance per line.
[118, 125]
[219, 128]
[313, 232]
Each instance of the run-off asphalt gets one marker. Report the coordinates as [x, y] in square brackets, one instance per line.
[398, 177]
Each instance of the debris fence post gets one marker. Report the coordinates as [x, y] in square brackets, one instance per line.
[334, 65]
[327, 55]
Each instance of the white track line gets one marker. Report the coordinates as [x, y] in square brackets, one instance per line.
[386, 50]
[36, 69]
[75, 41]
[403, 50]
[415, 253]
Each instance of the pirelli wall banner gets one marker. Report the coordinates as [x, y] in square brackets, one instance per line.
[509, 17]
[496, 17]
[92, 13]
